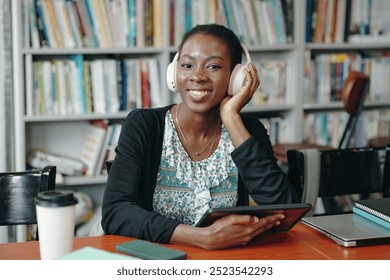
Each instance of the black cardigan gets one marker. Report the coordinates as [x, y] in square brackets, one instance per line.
[127, 203]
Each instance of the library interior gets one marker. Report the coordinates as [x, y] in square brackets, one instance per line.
[72, 70]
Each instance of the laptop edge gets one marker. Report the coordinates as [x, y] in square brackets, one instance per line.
[379, 237]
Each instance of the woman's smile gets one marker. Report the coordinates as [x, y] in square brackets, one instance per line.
[197, 94]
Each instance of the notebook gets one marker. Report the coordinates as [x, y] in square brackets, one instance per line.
[376, 210]
[349, 230]
[91, 253]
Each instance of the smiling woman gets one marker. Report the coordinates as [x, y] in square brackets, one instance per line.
[174, 163]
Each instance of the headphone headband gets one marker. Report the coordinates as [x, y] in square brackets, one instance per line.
[246, 53]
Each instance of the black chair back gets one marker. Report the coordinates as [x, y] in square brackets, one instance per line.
[17, 192]
[343, 172]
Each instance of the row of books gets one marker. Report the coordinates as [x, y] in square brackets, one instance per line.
[100, 141]
[256, 22]
[354, 21]
[274, 75]
[92, 23]
[327, 128]
[326, 73]
[276, 127]
[99, 145]
[74, 85]
[67, 166]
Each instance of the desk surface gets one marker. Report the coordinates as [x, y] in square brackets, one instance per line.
[301, 242]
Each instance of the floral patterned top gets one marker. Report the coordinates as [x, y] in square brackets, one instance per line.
[185, 188]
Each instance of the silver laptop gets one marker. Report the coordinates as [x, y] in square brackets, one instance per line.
[349, 230]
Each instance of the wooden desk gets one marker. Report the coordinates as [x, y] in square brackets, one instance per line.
[300, 243]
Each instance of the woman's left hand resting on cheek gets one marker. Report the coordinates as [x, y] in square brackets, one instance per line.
[229, 231]
[234, 104]
[231, 106]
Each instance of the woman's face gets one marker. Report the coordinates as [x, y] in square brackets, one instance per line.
[203, 72]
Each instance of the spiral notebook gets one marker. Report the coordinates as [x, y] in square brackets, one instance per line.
[376, 210]
[349, 230]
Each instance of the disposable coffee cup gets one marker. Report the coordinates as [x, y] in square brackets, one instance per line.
[56, 223]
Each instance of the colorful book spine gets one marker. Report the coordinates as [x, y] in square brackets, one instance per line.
[87, 87]
[44, 37]
[288, 17]
[123, 101]
[31, 26]
[148, 22]
[74, 23]
[79, 60]
[145, 89]
[188, 15]
[279, 22]
[53, 21]
[309, 18]
[85, 21]
[92, 21]
[228, 14]
[63, 24]
[140, 18]
[158, 39]
[132, 35]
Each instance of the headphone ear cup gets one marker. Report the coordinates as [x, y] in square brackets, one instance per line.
[171, 76]
[237, 79]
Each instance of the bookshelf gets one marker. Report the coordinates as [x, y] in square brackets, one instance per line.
[355, 40]
[64, 134]
[51, 131]
[58, 132]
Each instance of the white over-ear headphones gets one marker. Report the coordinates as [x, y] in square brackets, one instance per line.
[237, 78]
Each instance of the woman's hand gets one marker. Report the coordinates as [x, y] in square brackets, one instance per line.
[234, 104]
[229, 231]
[238, 230]
[231, 106]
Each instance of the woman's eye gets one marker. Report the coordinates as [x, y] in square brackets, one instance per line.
[213, 66]
[186, 65]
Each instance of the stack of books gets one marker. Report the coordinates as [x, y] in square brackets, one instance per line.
[376, 210]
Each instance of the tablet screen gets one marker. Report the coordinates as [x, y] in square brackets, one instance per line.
[292, 212]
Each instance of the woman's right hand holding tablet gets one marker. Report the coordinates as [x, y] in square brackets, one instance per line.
[228, 231]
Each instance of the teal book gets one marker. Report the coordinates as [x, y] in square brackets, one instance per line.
[279, 21]
[92, 21]
[376, 210]
[79, 60]
[229, 15]
[188, 15]
[132, 16]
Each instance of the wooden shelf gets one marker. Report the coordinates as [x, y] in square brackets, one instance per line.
[71, 118]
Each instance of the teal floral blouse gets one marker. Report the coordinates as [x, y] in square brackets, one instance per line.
[185, 188]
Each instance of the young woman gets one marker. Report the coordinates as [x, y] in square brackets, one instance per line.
[174, 163]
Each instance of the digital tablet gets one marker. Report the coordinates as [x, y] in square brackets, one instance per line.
[292, 212]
